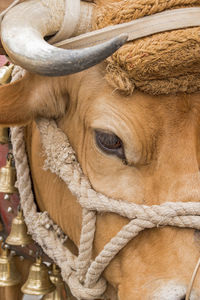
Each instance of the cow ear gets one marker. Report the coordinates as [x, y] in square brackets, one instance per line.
[31, 97]
[15, 102]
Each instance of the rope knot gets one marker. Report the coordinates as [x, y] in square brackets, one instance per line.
[81, 291]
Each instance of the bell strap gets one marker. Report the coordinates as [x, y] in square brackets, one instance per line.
[160, 22]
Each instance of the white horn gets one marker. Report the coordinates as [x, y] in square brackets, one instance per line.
[24, 27]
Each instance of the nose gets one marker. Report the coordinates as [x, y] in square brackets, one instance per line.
[174, 292]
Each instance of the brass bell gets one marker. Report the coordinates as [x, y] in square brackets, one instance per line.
[4, 138]
[38, 282]
[8, 177]
[8, 273]
[59, 293]
[18, 235]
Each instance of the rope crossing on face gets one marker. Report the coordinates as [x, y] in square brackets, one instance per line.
[82, 275]
[142, 217]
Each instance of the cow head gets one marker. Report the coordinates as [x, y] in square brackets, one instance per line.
[142, 149]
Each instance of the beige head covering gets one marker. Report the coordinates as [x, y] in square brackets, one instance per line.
[165, 63]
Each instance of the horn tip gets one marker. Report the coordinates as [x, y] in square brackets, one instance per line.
[121, 39]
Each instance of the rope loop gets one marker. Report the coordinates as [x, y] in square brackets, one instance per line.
[82, 292]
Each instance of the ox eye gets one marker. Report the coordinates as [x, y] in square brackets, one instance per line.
[110, 143]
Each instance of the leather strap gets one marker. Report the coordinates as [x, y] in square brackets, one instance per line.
[160, 22]
[71, 19]
[77, 20]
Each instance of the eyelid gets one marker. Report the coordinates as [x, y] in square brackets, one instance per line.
[119, 152]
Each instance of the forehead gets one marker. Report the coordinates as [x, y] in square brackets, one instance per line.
[107, 103]
[99, 101]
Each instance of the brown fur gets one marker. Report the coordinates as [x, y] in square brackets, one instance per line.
[161, 138]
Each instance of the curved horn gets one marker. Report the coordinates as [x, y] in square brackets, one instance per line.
[22, 32]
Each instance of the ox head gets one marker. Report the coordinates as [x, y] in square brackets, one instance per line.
[143, 149]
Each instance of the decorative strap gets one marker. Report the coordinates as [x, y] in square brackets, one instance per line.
[160, 22]
[71, 19]
[77, 20]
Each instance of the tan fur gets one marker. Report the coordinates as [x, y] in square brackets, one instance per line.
[161, 139]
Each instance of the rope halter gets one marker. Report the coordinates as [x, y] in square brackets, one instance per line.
[81, 273]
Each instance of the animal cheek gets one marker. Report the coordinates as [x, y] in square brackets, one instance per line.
[197, 239]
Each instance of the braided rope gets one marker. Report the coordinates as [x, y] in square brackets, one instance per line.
[124, 11]
[86, 243]
[82, 275]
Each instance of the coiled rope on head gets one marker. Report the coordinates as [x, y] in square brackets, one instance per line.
[82, 275]
[162, 63]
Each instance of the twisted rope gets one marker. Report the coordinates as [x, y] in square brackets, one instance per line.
[86, 243]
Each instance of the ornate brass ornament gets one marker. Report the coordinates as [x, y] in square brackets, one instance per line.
[8, 177]
[38, 282]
